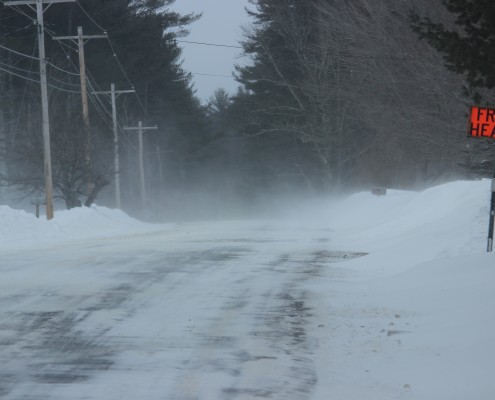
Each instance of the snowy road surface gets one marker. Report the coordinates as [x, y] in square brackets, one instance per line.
[97, 306]
[184, 313]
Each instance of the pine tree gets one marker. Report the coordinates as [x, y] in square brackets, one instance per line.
[143, 35]
[469, 46]
[344, 91]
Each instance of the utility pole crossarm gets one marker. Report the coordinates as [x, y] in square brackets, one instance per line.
[116, 92]
[104, 36]
[138, 128]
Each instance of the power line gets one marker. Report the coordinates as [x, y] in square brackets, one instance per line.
[127, 78]
[99, 108]
[210, 44]
[7, 17]
[63, 90]
[19, 53]
[118, 62]
[19, 75]
[19, 10]
[16, 127]
[34, 80]
[61, 69]
[64, 83]
[203, 74]
[89, 16]
[102, 110]
[17, 68]
[18, 30]
[114, 53]
[66, 45]
[98, 104]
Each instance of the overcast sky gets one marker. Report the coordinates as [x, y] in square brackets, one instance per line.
[220, 24]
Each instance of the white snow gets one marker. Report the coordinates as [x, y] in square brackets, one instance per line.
[413, 319]
[21, 229]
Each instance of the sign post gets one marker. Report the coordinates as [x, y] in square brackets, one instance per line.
[489, 247]
[482, 125]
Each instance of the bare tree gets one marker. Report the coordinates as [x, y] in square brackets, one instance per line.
[397, 87]
[353, 81]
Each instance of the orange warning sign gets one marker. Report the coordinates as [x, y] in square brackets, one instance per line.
[482, 122]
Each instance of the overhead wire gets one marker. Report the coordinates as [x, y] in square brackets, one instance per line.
[18, 30]
[66, 45]
[16, 126]
[61, 69]
[126, 76]
[128, 79]
[98, 103]
[32, 58]
[7, 17]
[10, 69]
[18, 75]
[99, 106]
[103, 111]
[210, 44]
[89, 16]
[115, 56]
[17, 68]
[204, 74]
[19, 10]
[62, 89]
[64, 83]
[18, 53]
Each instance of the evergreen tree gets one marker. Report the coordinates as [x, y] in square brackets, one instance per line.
[340, 93]
[469, 46]
[290, 106]
[142, 52]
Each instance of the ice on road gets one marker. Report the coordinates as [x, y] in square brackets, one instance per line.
[176, 314]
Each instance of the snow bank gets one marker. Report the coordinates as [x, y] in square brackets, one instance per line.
[450, 219]
[415, 318]
[19, 228]
[403, 228]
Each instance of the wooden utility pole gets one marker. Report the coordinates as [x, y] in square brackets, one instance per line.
[47, 162]
[140, 128]
[114, 94]
[80, 40]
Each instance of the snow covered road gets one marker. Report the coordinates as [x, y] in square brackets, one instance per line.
[97, 306]
[174, 314]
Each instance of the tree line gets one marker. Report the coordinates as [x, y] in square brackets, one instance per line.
[354, 95]
[336, 96]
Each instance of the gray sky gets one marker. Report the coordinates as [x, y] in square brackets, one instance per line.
[221, 23]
